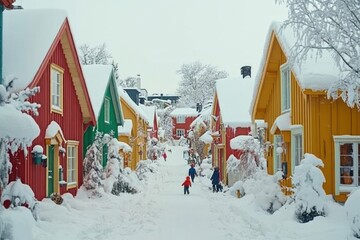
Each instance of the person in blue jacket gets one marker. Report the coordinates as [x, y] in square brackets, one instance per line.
[192, 172]
[215, 179]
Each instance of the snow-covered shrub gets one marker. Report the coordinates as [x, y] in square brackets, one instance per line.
[20, 194]
[265, 188]
[16, 223]
[154, 149]
[309, 194]
[183, 142]
[144, 168]
[205, 168]
[127, 182]
[353, 211]
[248, 163]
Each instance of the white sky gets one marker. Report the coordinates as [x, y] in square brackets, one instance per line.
[154, 38]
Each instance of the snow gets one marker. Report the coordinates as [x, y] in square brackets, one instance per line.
[282, 122]
[52, 129]
[97, 79]
[150, 112]
[353, 210]
[39, 29]
[137, 109]
[161, 210]
[126, 129]
[16, 124]
[38, 149]
[187, 112]
[206, 137]
[234, 96]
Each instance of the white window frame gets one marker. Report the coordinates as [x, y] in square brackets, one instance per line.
[107, 110]
[72, 163]
[180, 119]
[339, 140]
[181, 131]
[285, 78]
[296, 156]
[277, 157]
[56, 88]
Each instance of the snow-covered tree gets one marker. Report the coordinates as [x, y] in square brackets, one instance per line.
[165, 123]
[154, 148]
[93, 170]
[128, 82]
[329, 25]
[197, 83]
[18, 129]
[353, 211]
[94, 55]
[145, 168]
[309, 194]
[248, 163]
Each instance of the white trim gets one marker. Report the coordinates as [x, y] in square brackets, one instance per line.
[107, 110]
[276, 156]
[283, 68]
[354, 139]
[182, 130]
[296, 130]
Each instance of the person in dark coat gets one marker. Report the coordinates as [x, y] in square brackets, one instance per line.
[192, 172]
[186, 184]
[215, 179]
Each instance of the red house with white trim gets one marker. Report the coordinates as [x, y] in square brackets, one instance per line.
[230, 118]
[181, 120]
[39, 50]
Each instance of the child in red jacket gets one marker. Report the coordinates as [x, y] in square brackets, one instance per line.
[186, 184]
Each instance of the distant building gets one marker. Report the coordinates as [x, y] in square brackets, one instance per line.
[173, 98]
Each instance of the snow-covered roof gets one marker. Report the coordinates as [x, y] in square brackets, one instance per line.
[187, 112]
[149, 111]
[206, 138]
[52, 129]
[126, 129]
[97, 79]
[204, 116]
[234, 97]
[316, 73]
[282, 122]
[137, 109]
[28, 35]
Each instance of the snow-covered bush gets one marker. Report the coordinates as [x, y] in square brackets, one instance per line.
[248, 163]
[353, 211]
[144, 168]
[127, 182]
[154, 149]
[183, 142]
[205, 168]
[265, 188]
[309, 194]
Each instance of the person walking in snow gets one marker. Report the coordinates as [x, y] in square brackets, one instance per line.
[192, 172]
[186, 184]
[215, 179]
[164, 156]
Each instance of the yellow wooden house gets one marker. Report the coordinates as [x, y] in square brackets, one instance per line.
[292, 100]
[134, 130]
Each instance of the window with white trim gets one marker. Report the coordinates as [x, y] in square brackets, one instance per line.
[72, 163]
[56, 88]
[180, 132]
[278, 141]
[107, 110]
[347, 167]
[180, 119]
[285, 87]
[297, 150]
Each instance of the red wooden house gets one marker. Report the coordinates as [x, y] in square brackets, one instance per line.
[181, 120]
[39, 50]
[230, 118]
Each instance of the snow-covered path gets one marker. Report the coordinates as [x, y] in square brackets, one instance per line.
[161, 211]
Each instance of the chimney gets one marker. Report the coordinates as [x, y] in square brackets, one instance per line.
[138, 81]
[246, 71]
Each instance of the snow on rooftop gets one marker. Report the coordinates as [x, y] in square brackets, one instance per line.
[234, 96]
[187, 112]
[149, 111]
[52, 129]
[28, 35]
[138, 110]
[282, 122]
[97, 79]
[126, 129]
[206, 138]
[316, 73]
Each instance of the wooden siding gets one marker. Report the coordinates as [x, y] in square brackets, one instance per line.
[185, 126]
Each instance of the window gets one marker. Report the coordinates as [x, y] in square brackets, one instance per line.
[56, 88]
[180, 119]
[72, 153]
[107, 110]
[285, 87]
[296, 145]
[180, 132]
[347, 169]
[277, 152]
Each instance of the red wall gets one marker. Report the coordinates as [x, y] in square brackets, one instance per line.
[71, 123]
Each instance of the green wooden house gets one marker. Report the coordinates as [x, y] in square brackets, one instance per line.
[100, 81]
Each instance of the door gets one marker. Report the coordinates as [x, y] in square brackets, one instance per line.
[50, 169]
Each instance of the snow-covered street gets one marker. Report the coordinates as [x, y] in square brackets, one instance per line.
[162, 211]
